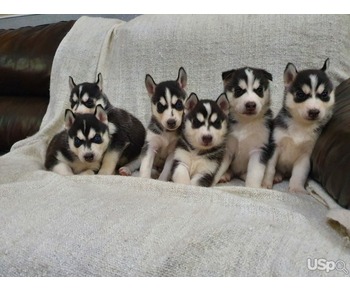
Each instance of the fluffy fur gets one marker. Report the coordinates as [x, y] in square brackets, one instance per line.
[201, 148]
[249, 143]
[164, 128]
[307, 107]
[79, 149]
[127, 132]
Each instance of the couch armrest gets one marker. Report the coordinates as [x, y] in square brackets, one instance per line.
[331, 156]
[26, 56]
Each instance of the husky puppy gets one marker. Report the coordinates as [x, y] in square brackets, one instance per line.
[249, 145]
[79, 148]
[127, 132]
[167, 105]
[85, 96]
[201, 148]
[307, 107]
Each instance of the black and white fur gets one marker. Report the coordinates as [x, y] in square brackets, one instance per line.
[307, 107]
[127, 132]
[249, 145]
[201, 148]
[79, 149]
[167, 105]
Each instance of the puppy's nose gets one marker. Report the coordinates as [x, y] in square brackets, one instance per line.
[313, 114]
[250, 106]
[171, 123]
[89, 157]
[207, 139]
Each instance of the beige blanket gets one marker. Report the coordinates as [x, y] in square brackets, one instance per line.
[127, 226]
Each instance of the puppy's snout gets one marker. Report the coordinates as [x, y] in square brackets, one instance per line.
[250, 106]
[313, 114]
[207, 139]
[171, 123]
[89, 157]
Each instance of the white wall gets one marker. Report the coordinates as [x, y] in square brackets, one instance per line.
[20, 20]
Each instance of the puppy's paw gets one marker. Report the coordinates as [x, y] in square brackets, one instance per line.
[252, 185]
[105, 172]
[297, 189]
[124, 171]
[267, 185]
[225, 178]
[277, 178]
[88, 172]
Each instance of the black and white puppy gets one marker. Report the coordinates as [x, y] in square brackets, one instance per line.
[307, 107]
[167, 105]
[249, 145]
[201, 148]
[127, 132]
[79, 149]
[84, 97]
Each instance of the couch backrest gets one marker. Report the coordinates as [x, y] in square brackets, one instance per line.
[206, 45]
[26, 56]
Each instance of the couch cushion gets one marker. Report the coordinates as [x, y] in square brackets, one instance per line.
[331, 155]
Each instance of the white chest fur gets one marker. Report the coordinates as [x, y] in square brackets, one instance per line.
[162, 145]
[195, 163]
[249, 137]
[292, 143]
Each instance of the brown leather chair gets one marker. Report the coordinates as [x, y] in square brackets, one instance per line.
[26, 56]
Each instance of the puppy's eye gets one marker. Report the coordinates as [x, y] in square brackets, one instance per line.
[324, 96]
[324, 93]
[73, 104]
[161, 108]
[217, 124]
[97, 139]
[259, 91]
[196, 123]
[239, 91]
[77, 142]
[179, 105]
[300, 95]
[89, 103]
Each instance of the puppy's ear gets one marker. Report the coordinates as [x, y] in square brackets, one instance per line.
[267, 75]
[325, 65]
[100, 114]
[289, 74]
[182, 78]
[99, 81]
[223, 103]
[71, 83]
[69, 118]
[150, 85]
[227, 75]
[191, 102]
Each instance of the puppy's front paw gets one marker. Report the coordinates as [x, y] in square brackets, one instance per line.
[105, 172]
[297, 189]
[267, 185]
[88, 172]
[124, 171]
[277, 178]
[225, 178]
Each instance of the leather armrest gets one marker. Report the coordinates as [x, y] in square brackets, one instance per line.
[331, 156]
[19, 118]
